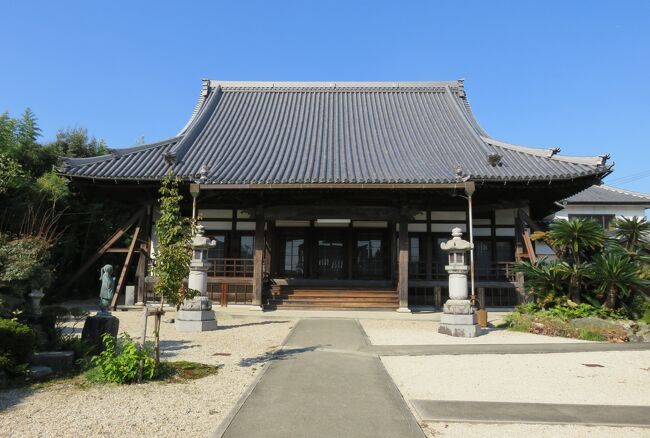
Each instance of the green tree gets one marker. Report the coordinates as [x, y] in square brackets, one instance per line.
[545, 280]
[614, 275]
[574, 240]
[173, 253]
[632, 232]
[75, 142]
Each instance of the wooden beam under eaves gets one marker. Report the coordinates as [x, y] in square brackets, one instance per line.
[108, 244]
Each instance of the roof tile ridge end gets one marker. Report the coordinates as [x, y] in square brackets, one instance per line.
[176, 153]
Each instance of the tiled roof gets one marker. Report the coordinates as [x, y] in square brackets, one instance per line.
[608, 195]
[354, 133]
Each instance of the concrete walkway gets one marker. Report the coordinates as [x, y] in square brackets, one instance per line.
[537, 413]
[433, 350]
[320, 386]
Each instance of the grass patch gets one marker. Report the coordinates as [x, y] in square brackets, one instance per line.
[543, 323]
[181, 371]
[168, 372]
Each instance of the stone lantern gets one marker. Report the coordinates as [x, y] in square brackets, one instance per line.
[458, 318]
[196, 315]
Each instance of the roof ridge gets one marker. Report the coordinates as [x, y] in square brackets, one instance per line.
[624, 191]
[335, 84]
[550, 153]
[116, 153]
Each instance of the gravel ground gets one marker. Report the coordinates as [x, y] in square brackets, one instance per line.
[619, 377]
[396, 332]
[465, 430]
[156, 409]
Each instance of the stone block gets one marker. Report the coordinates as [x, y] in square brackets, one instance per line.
[195, 315]
[129, 295]
[458, 307]
[460, 330]
[56, 360]
[95, 327]
[197, 303]
[448, 318]
[195, 326]
[40, 372]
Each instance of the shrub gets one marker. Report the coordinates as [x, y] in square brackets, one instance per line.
[16, 345]
[548, 324]
[582, 311]
[121, 361]
[54, 319]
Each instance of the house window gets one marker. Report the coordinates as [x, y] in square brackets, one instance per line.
[603, 219]
[246, 246]
[293, 255]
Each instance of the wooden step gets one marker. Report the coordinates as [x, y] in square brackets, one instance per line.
[335, 300]
[319, 304]
[337, 295]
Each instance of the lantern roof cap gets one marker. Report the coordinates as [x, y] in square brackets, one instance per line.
[200, 241]
[456, 244]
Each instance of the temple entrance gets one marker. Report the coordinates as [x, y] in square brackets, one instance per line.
[333, 253]
[331, 260]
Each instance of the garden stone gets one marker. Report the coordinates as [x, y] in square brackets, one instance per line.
[40, 372]
[641, 336]
[597, 323]
[95, 327]
[57, 360]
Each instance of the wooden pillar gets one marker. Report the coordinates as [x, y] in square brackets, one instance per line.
[392, 250]
[257, 262]
[145, 248]
[403, 266]
[268, 248]
[429, 249]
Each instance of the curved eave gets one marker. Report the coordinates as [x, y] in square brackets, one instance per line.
[549, 153]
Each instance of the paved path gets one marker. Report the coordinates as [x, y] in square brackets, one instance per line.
[432, 350]
[320, 386]
[538, 413]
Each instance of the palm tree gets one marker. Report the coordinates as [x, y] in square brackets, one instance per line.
[572, 240]
[633, 232]
[545, 280]
[614, 275]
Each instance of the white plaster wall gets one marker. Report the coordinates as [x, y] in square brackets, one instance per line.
[627, 211]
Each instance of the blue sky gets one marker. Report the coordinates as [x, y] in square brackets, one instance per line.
[571, 74]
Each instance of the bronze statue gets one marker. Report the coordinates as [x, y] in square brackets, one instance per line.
[106, 292]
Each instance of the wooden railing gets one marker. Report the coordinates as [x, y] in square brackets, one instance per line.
[502, 271]
[230, 267]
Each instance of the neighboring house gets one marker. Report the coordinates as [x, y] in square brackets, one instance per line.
[604, 203]
[601, 203]
[339, 194]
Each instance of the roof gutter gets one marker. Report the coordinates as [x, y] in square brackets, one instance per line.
[467, 185]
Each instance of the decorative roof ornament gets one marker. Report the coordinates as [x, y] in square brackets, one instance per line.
[494, 160]
[553, 151]
[603, 159]
[202, 174]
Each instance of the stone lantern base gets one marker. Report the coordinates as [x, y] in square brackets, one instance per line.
[459, 320]
[196, 315]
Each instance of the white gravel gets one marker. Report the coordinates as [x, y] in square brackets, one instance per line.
[156, 409]
[396, 332]
[622, 379]
[465, 430]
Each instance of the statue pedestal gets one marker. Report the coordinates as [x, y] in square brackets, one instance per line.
[95, 327]
[459, 320]
[196, 315]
